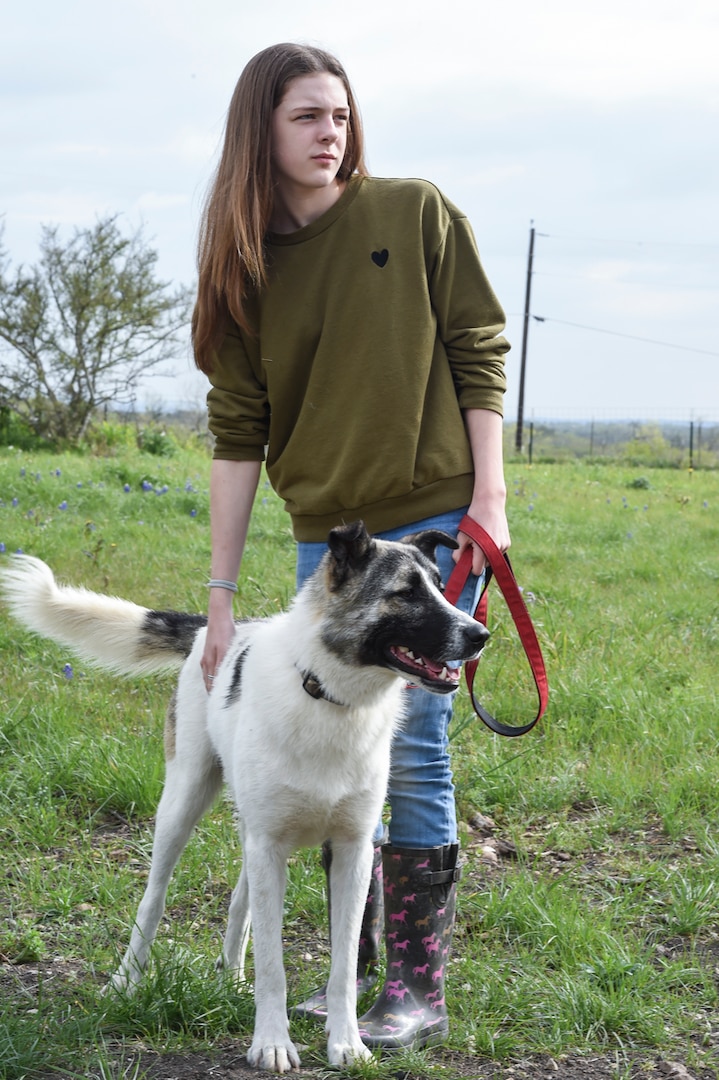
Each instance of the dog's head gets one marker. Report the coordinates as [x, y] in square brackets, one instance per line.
[386, 607]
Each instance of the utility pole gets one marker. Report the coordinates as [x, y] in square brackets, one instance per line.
[523, 365]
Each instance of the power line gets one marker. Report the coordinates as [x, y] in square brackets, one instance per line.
[580, 326]
[631, 337]
[614, 283]
[631, 243]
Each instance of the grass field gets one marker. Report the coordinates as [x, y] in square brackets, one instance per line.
[588, 914]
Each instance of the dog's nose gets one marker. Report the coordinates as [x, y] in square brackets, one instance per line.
[478, 634]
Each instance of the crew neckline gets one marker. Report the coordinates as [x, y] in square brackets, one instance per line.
[324, 221]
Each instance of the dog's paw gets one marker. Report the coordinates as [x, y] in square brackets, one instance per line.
[235, 972]
[344, 1053]
[120, 983]
[279, 1057]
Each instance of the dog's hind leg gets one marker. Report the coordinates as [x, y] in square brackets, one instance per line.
[350, 872]
[190, 789]
[237, 936]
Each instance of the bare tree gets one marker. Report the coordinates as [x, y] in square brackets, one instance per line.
[82, 326]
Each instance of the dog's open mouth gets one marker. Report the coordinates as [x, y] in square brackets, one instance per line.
[426, 670]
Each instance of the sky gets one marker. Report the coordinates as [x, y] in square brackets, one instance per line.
[597, 124]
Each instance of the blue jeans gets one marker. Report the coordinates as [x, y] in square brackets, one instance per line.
[421, 791]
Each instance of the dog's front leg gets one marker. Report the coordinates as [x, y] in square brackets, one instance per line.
[266, 866]
[350, 875]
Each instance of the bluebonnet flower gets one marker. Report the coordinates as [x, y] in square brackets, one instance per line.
[126, 487]
[67, 671]
[63, 505]
[3, 549]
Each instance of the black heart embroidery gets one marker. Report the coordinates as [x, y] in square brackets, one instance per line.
[379, 258]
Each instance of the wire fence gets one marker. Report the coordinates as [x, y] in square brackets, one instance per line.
[682, 442]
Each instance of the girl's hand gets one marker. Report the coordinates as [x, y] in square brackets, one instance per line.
[220, 632]
[492, 516]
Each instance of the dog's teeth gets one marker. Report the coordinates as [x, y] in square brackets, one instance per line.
[410, 655]
[449, 674]
[418, 660]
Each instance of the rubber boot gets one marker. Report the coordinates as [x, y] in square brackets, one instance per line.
[419, 887]
[316, 1004]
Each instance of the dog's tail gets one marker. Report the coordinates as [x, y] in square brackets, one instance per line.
[115, 634]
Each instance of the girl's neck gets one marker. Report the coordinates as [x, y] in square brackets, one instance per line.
[292, 210]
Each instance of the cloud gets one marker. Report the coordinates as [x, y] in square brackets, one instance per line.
[596, 120]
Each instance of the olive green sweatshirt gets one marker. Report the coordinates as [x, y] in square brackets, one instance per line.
[378, 327]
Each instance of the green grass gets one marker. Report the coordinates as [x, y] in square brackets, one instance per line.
[601, 934]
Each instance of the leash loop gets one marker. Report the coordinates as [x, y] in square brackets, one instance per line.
[499, 567]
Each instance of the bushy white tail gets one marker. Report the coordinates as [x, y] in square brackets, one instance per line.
[113, 633]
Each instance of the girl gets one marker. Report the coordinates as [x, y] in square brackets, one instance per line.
[351, 340]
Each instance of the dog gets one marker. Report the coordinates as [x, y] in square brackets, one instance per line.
[298, 724]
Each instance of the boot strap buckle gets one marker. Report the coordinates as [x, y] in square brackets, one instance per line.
[443, 877]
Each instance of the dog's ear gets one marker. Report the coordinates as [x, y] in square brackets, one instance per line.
[428, 539]
[349, 546]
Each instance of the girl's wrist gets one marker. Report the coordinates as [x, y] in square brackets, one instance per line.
[220, 599]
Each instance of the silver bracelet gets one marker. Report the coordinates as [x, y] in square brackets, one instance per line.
[221, 583]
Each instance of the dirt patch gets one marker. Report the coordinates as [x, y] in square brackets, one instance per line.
[230, 1063]
[488, 856]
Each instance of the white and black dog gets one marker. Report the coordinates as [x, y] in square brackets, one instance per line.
[298, 724]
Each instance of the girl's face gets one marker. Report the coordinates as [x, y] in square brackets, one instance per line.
[309, 134]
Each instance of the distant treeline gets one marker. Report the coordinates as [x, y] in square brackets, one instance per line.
[670, 444]
[665, 444]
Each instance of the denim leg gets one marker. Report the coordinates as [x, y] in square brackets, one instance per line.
[421, 790]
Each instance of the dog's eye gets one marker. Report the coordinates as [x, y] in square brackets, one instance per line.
[409, 588]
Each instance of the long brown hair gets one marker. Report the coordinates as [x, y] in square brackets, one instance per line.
[230, 255]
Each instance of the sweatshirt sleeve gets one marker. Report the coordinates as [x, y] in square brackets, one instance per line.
[238, 409]
[470, 318]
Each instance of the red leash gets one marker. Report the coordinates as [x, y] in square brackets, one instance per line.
[499, 566]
